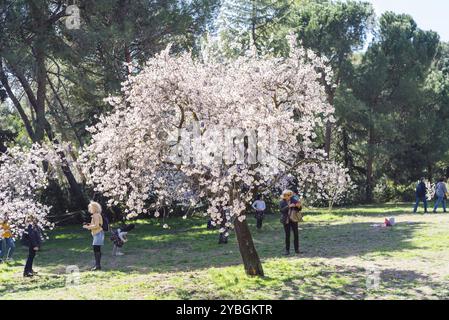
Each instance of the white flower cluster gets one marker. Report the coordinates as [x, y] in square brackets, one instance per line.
[326, 181]
[128, 159]
[21, 177]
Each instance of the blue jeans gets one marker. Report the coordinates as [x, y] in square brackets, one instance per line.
[7, 247]
[418, 199]
[437, 203]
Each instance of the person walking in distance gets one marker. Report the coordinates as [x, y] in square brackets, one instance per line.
[260, 206]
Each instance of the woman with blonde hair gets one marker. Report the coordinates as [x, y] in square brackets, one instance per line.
[285, 207]
[96, 229]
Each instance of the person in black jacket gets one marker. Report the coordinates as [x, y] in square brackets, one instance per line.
[421, 195]
[285, 206]
[32, 239]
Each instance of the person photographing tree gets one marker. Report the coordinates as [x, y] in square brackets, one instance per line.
[289, 219]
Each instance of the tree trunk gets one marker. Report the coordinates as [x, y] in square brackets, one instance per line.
[327, 139]
[328, 133]
[349, 163]
[369, 164]
[251, 261]
[75, 189]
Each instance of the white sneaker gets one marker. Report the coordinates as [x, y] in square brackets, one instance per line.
[119, 254]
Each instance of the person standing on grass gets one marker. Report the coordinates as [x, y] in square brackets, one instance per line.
[259, 206]
[440, 194]
[7, 244]
[289, 225]
[421, 192]
[32, 239]
[96, 229]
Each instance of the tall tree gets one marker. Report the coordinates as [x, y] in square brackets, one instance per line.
[225, 121]
[333, 30]
[389, 81]
[64, 74]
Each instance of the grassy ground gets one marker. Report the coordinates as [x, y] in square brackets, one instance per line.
[342, 250]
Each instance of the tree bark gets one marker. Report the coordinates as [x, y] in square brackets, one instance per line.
[349, 162]
[328, 132]
[23, 116]
[327, 139]
[369, 163]
[75, 189]
[251, 260]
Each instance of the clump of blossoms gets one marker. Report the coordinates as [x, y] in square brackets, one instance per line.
[430, 190]
[326, 181]
[248, 121]
[22, 176]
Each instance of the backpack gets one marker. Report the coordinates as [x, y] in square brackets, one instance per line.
[105, 224]
[419, 189]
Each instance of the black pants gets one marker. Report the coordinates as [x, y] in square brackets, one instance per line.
[259, 219]
[30, 259]
[291, 226]
[97, 255]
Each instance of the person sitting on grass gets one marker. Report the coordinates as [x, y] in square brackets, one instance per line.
[96, 229]
[440, 194]
[119, 237]
[421, 192]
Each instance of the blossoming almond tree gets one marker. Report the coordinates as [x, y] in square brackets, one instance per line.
[211, 130]
[22, 175]
[326, 181]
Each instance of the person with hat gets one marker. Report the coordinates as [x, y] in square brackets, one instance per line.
[286, 206]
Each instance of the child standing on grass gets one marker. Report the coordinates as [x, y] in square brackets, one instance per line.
[259, 206]
[7, 244]
[96, 229]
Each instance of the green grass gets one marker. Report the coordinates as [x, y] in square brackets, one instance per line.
[185, 261]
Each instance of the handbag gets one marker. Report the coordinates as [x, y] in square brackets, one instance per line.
[295, 215]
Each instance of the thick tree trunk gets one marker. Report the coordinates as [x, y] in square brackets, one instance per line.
[251, 260]
[75, 189]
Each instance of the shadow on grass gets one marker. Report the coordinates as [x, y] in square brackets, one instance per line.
[371, 210]
[351, 283]
[189, 246]
[197, 248]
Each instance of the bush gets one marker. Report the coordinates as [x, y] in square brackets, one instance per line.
[387, 190]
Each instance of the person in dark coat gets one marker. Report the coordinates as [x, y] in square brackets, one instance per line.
[289, 226]
[421, 195]
[32, 239]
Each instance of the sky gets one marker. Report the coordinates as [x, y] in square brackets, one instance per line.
[428, 14]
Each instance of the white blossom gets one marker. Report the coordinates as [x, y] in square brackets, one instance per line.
[135, 150]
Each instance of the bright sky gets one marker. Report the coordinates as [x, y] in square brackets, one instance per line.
[428, 14]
